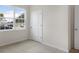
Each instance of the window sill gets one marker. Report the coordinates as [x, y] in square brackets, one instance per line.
[12, 29]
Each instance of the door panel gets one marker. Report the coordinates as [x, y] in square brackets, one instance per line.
[36, 25]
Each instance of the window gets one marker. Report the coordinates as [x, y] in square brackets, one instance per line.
[11, 17]
[19, 18]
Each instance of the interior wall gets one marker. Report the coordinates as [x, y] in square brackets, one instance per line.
[9, 37]
[12, 36]
[56, 26]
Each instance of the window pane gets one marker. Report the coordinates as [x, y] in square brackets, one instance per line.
[19, 23]
[19, 13]
[4, 24]
[6, 17]
[19, 18]
[6, 11]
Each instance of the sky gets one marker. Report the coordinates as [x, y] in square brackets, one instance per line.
[8, 11]
[4, 8]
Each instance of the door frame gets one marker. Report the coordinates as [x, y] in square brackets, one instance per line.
[73, 27]
[71, 22]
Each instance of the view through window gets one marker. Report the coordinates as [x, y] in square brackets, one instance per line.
[11, 18]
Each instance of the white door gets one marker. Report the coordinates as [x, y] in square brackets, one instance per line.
[36, 25]
[76, 28]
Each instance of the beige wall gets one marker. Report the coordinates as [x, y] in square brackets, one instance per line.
[8, 37]
[55, 25]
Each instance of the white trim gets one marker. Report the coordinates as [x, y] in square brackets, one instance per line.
[14, 18]
[53, 46]
[64, 51]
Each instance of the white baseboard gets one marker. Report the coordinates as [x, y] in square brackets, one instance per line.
[53, 46]
[64, 51]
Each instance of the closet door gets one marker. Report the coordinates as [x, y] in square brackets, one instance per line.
[36, 24]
